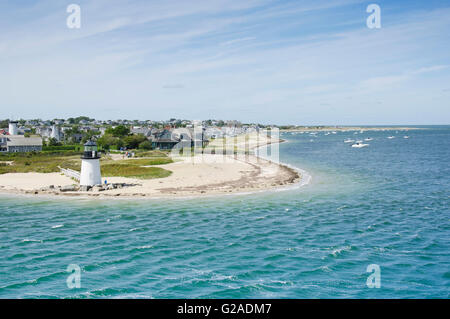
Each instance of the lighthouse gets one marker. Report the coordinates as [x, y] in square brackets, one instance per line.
[90, 165]
[12, 130]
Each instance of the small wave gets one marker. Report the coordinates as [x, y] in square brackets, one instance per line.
[337, 251]
[145, 247]
[27, 240]
[136, 229]
[325, 269]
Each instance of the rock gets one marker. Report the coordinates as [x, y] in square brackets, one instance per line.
[85, 188]
[97, 188]
[69, 188]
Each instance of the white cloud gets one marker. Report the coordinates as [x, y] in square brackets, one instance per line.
[222, 52]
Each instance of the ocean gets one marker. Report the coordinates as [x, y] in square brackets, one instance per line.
[386, 205]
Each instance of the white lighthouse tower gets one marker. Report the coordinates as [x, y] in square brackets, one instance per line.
[90, 165]
[12, 130]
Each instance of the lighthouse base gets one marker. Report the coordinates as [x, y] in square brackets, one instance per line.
[90, 172]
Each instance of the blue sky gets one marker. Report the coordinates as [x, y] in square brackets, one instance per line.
[284, 62]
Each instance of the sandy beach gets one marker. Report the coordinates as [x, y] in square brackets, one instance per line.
[200, 175]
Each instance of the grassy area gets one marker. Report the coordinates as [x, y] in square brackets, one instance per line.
[48, 162]
[147, 161]
[134, 167]
[155, 153]
[135, 171]
[45, 162]
[76, 147]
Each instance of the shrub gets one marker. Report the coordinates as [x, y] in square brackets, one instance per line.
[145, 145]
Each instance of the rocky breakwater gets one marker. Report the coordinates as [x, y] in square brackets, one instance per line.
[75, 189]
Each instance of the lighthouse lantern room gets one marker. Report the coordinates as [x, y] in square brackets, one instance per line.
[90, 165]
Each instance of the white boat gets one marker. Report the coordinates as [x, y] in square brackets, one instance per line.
[406, 136]
[368, 139]
[349, 141]
[391, 137]
[359, 145]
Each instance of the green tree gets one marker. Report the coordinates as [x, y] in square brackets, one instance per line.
[4, 123]
[89, 135]
[53, 142]
[118, 131]
[133, 141]
[145, 145]
[107, 140]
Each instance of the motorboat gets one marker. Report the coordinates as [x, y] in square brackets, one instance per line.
[359, 145]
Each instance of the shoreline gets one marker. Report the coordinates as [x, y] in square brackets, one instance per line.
[210, 177]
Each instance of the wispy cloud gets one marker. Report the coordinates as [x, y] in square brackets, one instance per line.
[252, 60]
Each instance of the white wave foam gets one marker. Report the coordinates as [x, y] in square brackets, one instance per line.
[305, 177]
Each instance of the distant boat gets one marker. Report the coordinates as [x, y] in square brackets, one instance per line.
[359, 145]
[368, 139]
[406, 136]
[391, 137]
[349, 141]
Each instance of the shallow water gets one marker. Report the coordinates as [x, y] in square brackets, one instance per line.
[386, 204]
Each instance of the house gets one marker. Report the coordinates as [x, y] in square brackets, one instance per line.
[146, 131]
[20, 143]
[164, 140]
[183, 137]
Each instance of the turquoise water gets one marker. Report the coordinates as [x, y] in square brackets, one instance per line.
[386, 204]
